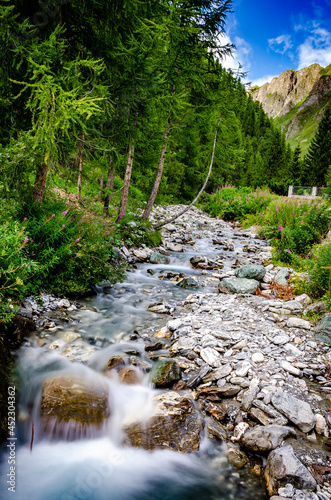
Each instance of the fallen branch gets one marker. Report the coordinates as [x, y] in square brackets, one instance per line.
[201, 190]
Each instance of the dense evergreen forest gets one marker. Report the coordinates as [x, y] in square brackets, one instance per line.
[87, 85]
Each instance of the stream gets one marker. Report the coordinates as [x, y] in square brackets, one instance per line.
[79, 462]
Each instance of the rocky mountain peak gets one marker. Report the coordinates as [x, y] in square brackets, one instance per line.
[296, 100]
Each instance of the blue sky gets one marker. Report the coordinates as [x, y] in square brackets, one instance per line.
[273, 36]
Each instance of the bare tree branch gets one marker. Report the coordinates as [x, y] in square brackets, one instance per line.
[160, 224]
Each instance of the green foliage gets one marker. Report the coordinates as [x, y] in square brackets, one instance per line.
[317, 161]
[316, 278]
[131, 232]
[294, 226]
[71, 245]
[319, 275]
[232, 203]
[16, 268]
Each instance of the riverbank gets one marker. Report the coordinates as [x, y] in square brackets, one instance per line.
[242, 371]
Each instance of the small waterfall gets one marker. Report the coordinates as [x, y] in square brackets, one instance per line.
[80, 455]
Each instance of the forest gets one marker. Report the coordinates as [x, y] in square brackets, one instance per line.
[107, 107]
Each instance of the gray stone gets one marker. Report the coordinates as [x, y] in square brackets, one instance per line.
[174, 247]
[284, 467]
[189, 283]
[298, 323]
[287, 491]
[304, 299]
[251, 271]
[262, 439]
[238, 285]
[280, 339]
[250, 394]
[221, 372]
[317, 307]
[259, 416]
[297, 411]
[323, 329]
[158, 258]
[282, 276]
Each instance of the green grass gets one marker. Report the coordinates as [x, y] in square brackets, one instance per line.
[308, 123]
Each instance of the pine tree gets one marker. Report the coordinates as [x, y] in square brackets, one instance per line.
[317, 160]
[294, 172]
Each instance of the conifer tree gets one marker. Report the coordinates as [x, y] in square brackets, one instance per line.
[294, 171]
[317, 160]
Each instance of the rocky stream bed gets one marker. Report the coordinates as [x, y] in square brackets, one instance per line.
[192, 354]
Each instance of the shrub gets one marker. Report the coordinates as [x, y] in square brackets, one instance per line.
[294, 226]
[318, 283]
[16, 268]
[232, 203]
[72, 246]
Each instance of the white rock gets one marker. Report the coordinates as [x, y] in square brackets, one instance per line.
[140, 254]
[243, 369]
[290, 368]
[239, 431]
[304, 299]
[298, 323]
[64, 303]
[257, 357]
[287, 491]
[292, 349]
[174, 324]
[321, 425]
[280, 339]
[210, 356]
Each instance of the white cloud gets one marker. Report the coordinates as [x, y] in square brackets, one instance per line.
[241, 54]
[315, 49]
[261, 81]
[280, 44]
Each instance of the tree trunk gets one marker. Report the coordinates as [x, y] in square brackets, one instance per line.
[125, 191]
[158, 177]
[201, 190]
[109, 185]
[40, 182]
[101, 186]
[80, 166]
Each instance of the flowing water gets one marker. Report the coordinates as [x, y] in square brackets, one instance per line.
[73, 463]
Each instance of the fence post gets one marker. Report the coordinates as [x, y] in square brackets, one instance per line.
[290, 191]
[314, 191]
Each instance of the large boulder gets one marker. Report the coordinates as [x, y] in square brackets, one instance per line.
[238, 285]
[75, 401]
[262, 439]
[297, 411]
[174, 424]
[165, 372]
[282, 276]
[159, 258]
[251, 271]
[284, 467]
[323, 329]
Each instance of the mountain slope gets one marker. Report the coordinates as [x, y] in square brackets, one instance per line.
[296, 101]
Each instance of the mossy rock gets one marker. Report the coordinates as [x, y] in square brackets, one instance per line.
[165, 372]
